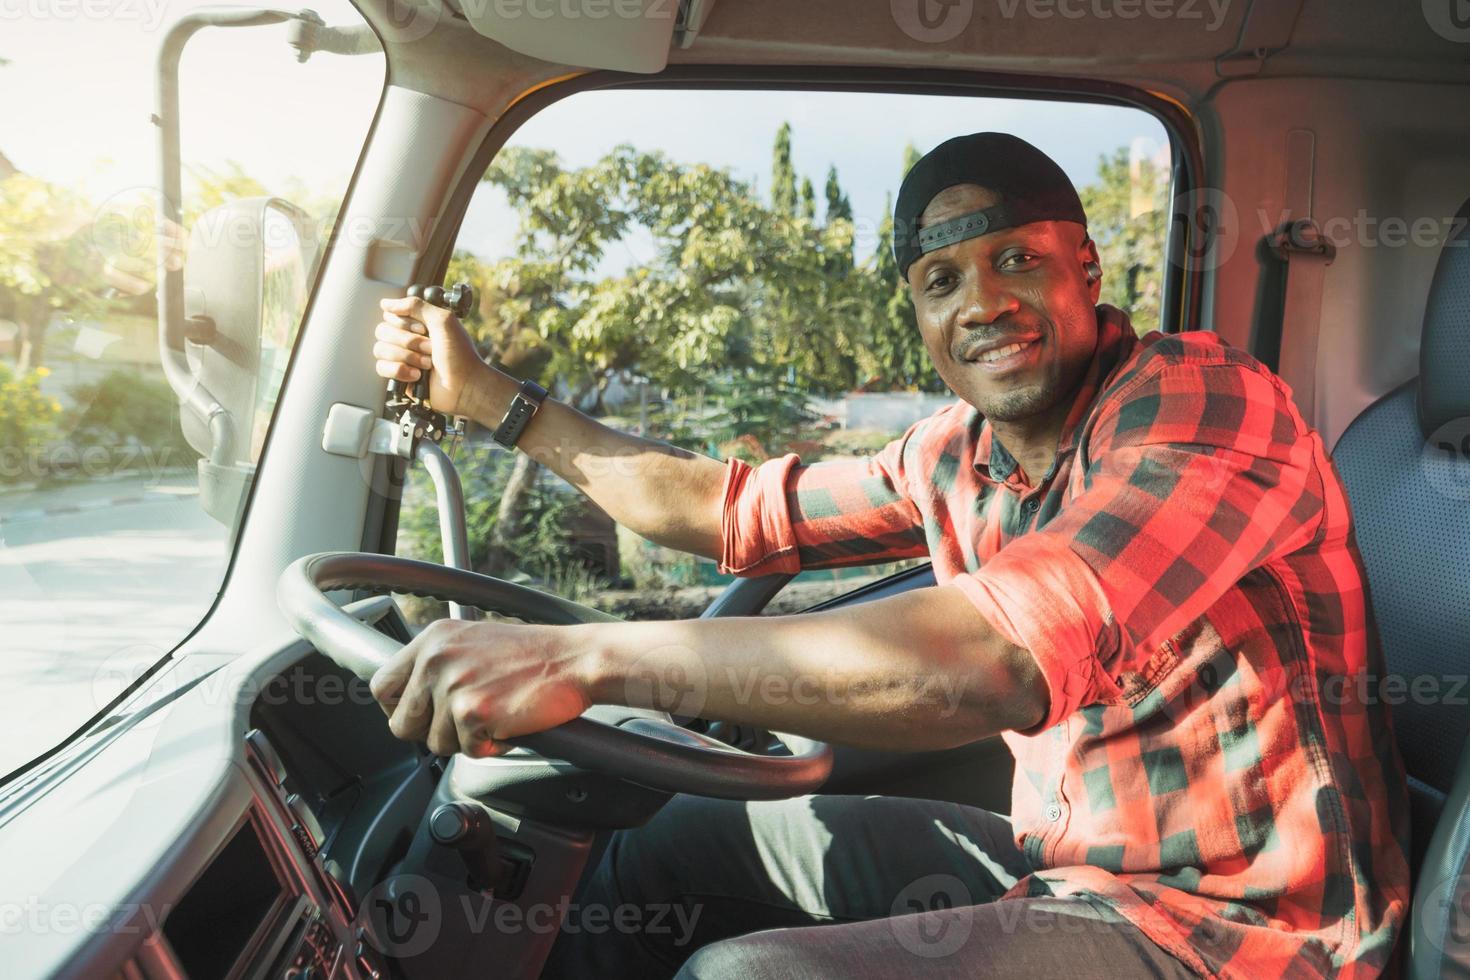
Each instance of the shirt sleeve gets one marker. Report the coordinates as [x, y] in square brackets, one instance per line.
[783, 516]
[1196, 475]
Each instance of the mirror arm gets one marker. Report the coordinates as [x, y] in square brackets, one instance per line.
[172, 329]
[166, 118]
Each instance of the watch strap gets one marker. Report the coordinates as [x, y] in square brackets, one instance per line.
[523, 407]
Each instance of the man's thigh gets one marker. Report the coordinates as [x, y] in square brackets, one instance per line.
[1015, 938]
[706, 870]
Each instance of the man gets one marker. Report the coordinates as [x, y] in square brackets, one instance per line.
[1146, 573]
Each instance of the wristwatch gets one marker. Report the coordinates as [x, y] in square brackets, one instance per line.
[523, 406]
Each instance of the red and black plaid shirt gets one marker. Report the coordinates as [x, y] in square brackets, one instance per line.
[1187, 579]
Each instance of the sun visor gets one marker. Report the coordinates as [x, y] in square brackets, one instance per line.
[619, 35]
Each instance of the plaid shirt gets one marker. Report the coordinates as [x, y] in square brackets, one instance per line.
[1187, 578]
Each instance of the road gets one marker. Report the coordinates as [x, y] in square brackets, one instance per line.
[97, 581]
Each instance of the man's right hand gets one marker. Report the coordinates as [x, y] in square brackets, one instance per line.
[670, 496]
[415, 336]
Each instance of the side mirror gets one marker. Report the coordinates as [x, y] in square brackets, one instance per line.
[244, 291]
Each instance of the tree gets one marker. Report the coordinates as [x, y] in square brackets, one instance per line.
[808, 200]
[911, 156]
[783, 176]
[47, 259]
[903, 358]
[839, 208]
[744, 300]
[1124, 208]
[735, 290]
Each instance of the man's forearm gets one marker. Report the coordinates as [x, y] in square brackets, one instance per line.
[665, 494]
[922, 670]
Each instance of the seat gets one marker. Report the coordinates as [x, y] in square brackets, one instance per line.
[1406, 465]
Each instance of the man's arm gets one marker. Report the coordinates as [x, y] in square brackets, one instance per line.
[916, 671]
[667, 495]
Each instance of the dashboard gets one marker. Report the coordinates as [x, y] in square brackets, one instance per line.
[193, 843]
[249, 815]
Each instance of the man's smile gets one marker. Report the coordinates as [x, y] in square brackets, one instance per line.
[1004, 354]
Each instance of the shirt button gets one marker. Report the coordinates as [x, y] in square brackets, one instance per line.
[1053, 812]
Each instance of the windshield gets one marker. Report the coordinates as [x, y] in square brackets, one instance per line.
[123, 470]
[796, 335]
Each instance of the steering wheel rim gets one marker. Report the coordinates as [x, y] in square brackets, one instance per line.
[655, 754]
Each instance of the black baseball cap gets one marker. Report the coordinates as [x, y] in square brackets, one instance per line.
[1030, 184]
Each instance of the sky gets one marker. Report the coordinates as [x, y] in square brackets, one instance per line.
[76, 95]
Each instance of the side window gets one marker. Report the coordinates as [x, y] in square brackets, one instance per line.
[130, 426]
[715, 269]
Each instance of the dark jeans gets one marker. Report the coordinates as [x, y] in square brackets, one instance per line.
[834, 886]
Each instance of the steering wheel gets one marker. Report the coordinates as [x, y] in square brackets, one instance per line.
[643, 747]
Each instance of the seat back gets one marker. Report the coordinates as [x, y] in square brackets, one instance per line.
[1405, 462]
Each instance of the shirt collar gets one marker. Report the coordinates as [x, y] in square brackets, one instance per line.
[1116, 341]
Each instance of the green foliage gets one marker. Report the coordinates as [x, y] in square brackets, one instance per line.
[62, 255]
[1124, 208]
[733, 287]
[745, 309]
[911, 156]
[212, 188]
[540, 544]
[856, 442]
[41, 251]
[751, 420]
[897, 345]
[27, 417]
[783, 175]
[126, 405]
[737, 289]
[47, 260]
[839, 208]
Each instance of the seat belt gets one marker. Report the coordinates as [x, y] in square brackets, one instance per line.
[1304, 254]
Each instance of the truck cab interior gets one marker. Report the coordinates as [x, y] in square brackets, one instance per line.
[239, 807]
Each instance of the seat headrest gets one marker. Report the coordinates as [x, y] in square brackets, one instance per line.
[1444, 349]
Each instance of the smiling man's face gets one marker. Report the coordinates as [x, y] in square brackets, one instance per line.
[1009, 317]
